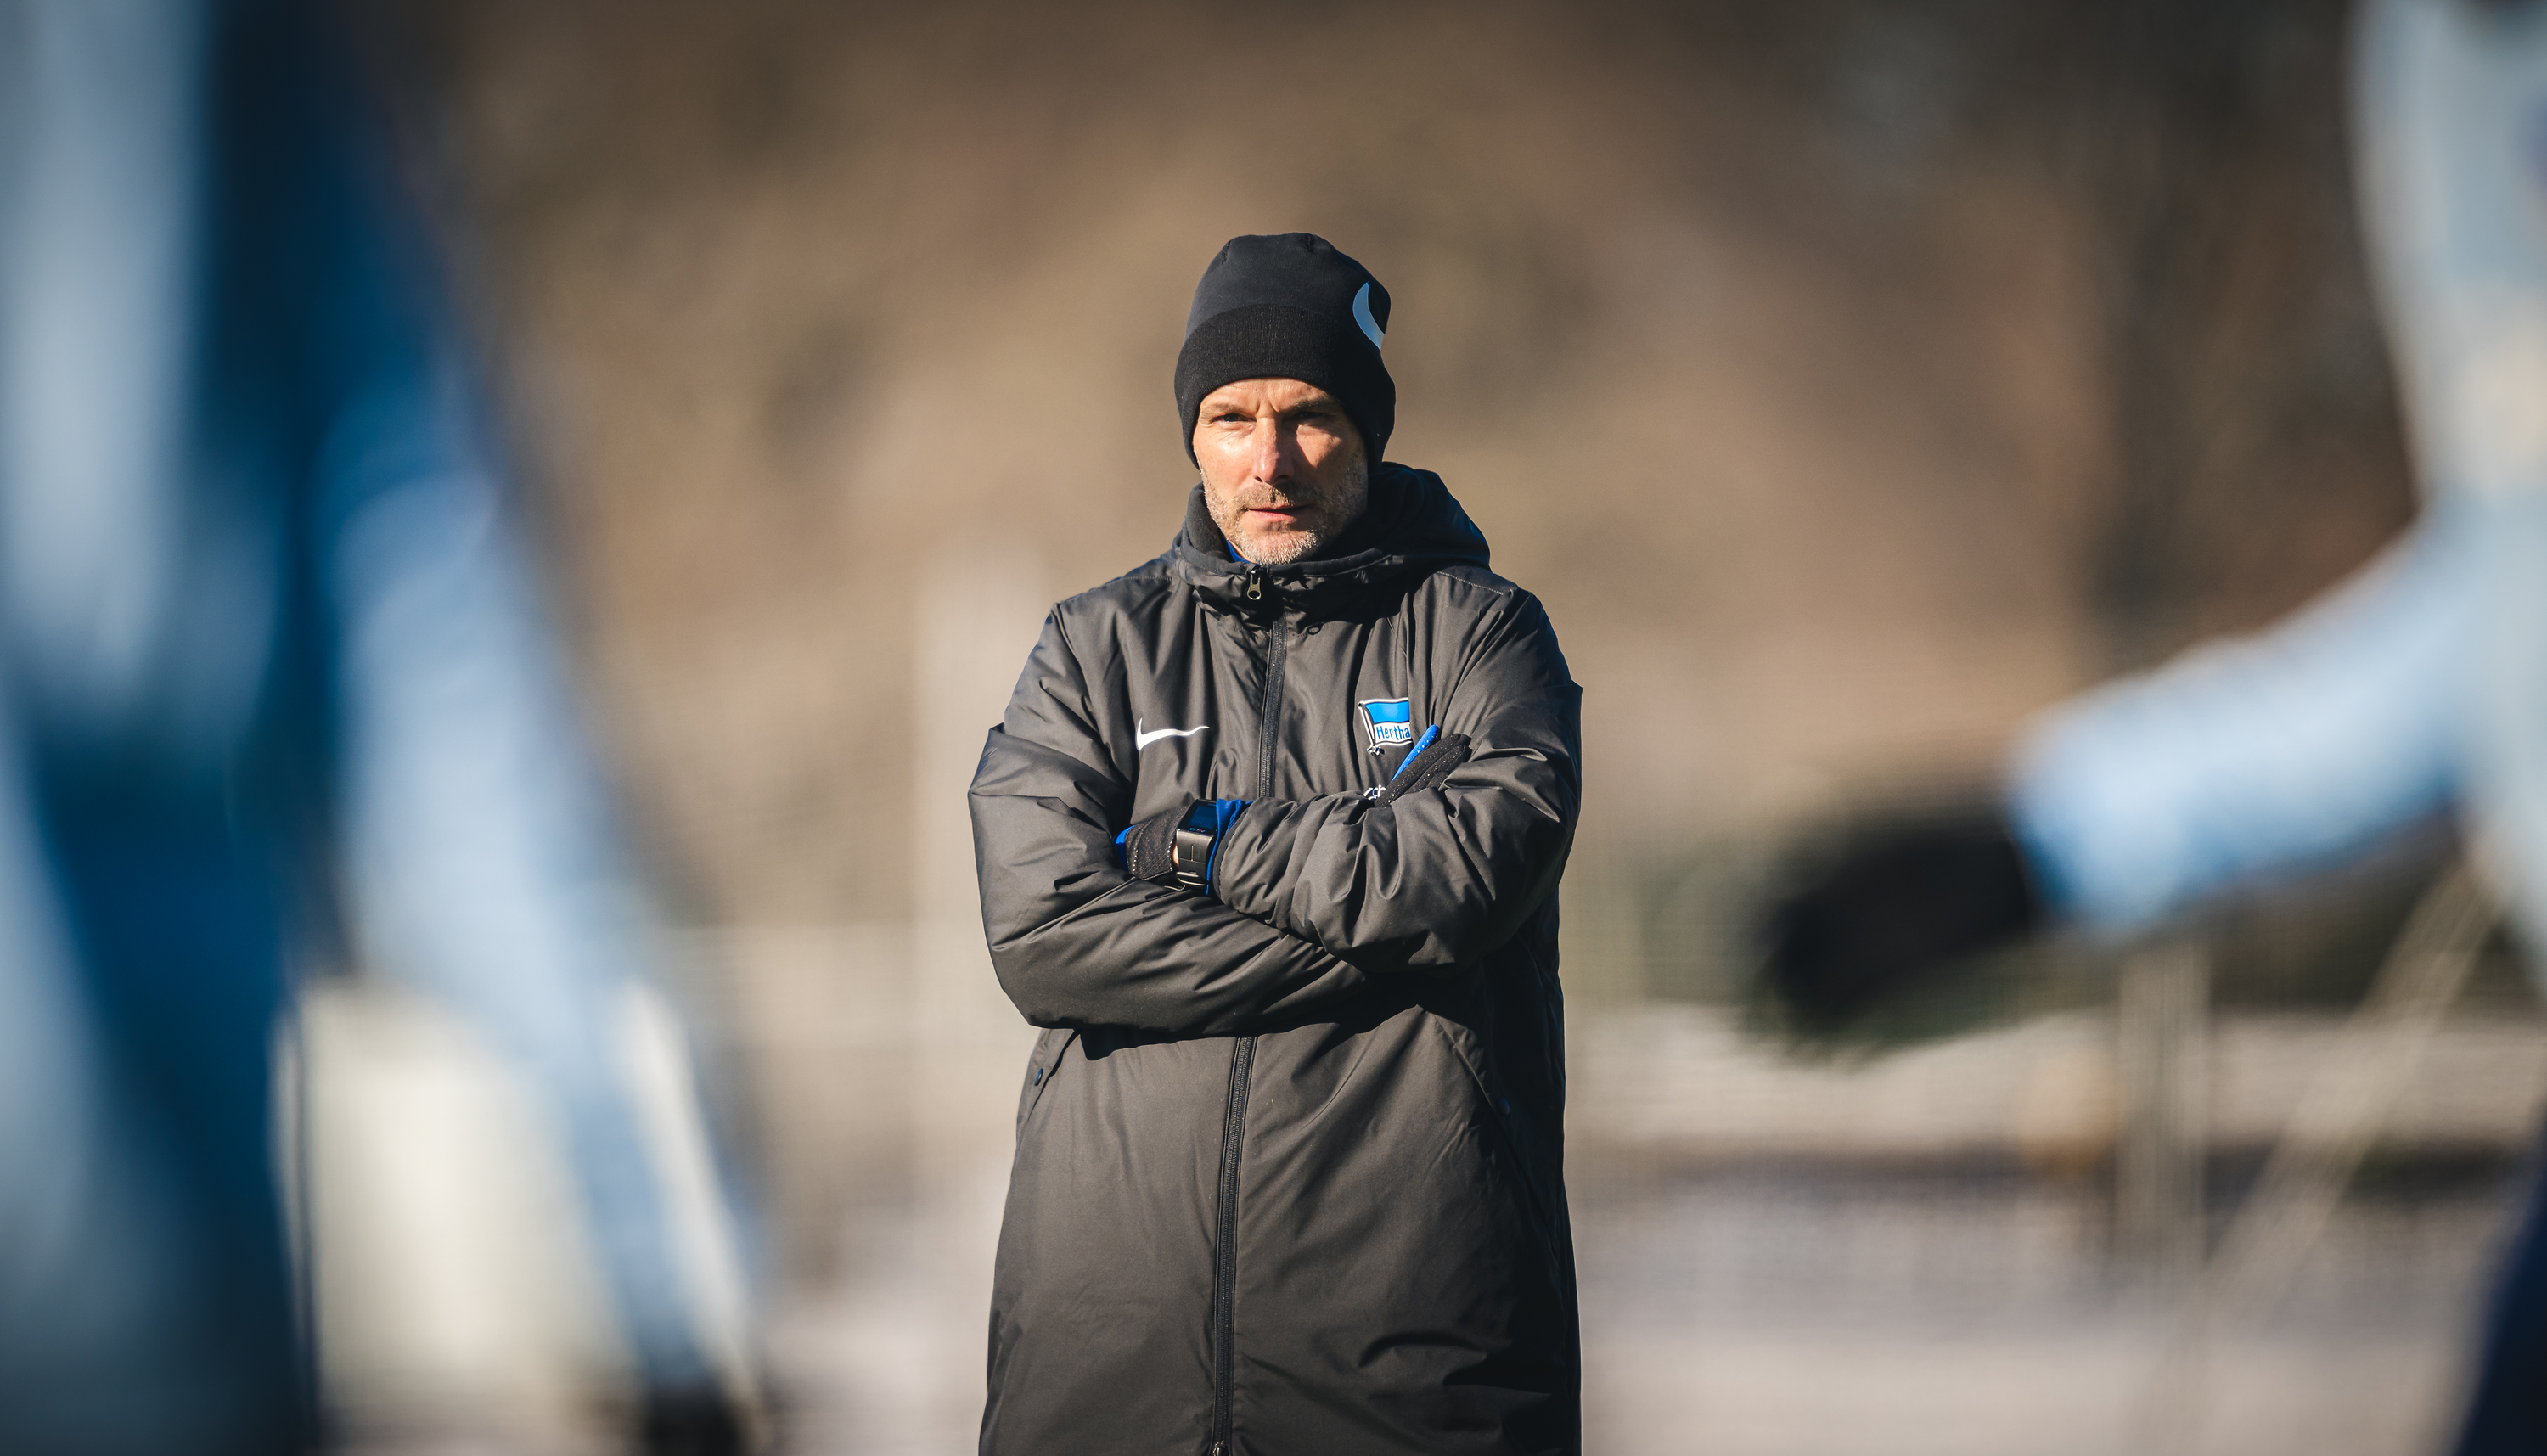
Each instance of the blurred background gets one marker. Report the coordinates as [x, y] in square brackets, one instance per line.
[1850, 380]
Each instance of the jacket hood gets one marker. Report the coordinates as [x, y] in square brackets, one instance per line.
[1412, 524]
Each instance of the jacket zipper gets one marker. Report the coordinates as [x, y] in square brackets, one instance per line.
[1233, 1124]
[1224, 1268]
[1269, 717]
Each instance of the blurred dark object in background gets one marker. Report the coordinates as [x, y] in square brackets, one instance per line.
[1891, 905]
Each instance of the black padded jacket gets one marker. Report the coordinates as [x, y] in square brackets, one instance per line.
[1288, 1176]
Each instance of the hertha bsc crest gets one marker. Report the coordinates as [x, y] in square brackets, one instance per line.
[1392, 722]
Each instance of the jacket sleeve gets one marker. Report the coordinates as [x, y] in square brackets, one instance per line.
[1439, 877]
[1075, 940]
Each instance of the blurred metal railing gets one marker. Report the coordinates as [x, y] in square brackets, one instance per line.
[2333, 1124]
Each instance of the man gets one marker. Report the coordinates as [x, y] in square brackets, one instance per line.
[2414, 689]
[1289, 1172]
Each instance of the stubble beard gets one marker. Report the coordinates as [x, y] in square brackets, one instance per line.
[1334, 511]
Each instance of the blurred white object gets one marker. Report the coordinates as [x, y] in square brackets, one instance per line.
[452, 1265]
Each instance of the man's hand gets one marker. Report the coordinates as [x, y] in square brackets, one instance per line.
[1901, 900]
[1431, 763]
[1178, 847]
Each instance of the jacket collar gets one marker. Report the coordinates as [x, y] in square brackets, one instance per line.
[1412, 525]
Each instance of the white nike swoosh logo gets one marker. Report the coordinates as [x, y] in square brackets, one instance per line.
[1142, 740]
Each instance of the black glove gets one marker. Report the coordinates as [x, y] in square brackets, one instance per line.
[690, 1421]
[1900, 901]
[1432, 761]
[1178, 847]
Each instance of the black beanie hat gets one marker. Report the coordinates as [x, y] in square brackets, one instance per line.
[1290, 306]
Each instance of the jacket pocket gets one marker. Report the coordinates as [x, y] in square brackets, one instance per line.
[1497, 1113]
[1041, 1065]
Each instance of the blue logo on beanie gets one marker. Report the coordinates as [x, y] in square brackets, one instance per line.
[1362, 315]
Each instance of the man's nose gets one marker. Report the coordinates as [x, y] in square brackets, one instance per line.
[1273, 463]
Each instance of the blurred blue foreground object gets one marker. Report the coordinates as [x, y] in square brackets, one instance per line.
[2417, 687]
[275, 691]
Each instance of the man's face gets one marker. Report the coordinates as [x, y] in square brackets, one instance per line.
[1282, 469]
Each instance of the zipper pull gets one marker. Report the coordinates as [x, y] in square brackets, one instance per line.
[1255, 593]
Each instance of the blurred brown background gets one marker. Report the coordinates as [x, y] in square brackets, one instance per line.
[1849, 378]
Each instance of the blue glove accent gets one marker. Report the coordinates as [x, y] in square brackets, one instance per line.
[1214, 815]
[1210, 816]
[1214, 819]
[1421, 744]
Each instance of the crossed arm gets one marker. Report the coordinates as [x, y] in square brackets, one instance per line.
[1314, 897]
